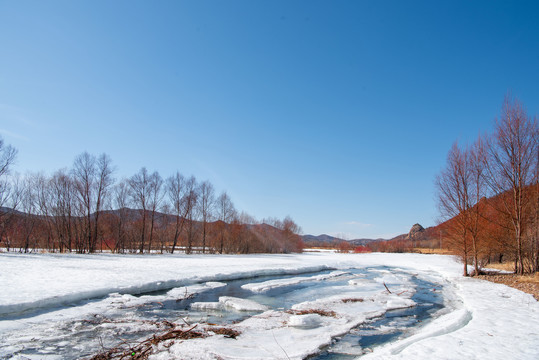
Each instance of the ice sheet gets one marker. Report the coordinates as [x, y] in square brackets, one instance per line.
[272, 284]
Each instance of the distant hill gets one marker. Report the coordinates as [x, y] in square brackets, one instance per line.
[416, 235]
[325, 240]
[6, 210]
[322, 238]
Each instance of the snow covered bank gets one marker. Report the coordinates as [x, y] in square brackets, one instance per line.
[36, 281]
[497, 322]
[486, 321]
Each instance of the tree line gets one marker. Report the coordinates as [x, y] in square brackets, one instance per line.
[488, 193]
[84, 209]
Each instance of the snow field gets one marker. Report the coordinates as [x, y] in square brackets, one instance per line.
[35, 281]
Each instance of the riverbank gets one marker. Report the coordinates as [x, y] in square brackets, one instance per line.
[527, 283]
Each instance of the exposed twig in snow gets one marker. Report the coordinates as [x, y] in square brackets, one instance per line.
[185, 321]
[145, 348]
[274, 338]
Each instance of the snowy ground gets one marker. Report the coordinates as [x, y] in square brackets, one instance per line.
[46, 295]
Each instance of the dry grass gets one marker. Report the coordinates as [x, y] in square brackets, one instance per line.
[506, 266]
[533, 278]
[433, 251]
[352, 300]
[144, 349]
[313, 311]
[227, 332]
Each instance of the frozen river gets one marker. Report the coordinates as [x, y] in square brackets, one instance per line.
[106, 322]
[315, 306]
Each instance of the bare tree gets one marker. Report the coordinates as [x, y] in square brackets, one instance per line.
[155, 198]
[84, 173]
[225, 213]
[291, 231]
[121, 202]
[80, 220]
[7, 158]
[103, 183]
[287, 239]
[453, 187]
[476, 162]
[176, 189]
[206, 205]
[535, 222]
[29, 207]
[164, 228]
[44, 202]
[5, 193]
[12, 198]
[243, 239]
[511, 167]
[62, 201]
[190, 203]
[139, 185]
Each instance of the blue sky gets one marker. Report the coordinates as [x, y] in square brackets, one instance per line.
[337, 113]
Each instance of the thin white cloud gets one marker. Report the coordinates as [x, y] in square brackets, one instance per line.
[13, 135]
[358, 224]
[14, 114]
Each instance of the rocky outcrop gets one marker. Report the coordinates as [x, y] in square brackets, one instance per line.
[416, 230]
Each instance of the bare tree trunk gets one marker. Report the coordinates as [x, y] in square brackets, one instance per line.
[226, 214]
[206, 203]
[141, 249]
[177, 188]
[152, 221]
[512, 165]
[84, 172]
[154, 187]
[455, 186]
[139, 185]
[177, 231]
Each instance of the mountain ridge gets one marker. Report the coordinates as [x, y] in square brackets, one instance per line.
[328, 240]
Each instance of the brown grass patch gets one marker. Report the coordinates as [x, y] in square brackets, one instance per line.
[433, 251]
[227, 332]
[506, 266]
[352, 300]
[313, 311]
[533, 278]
